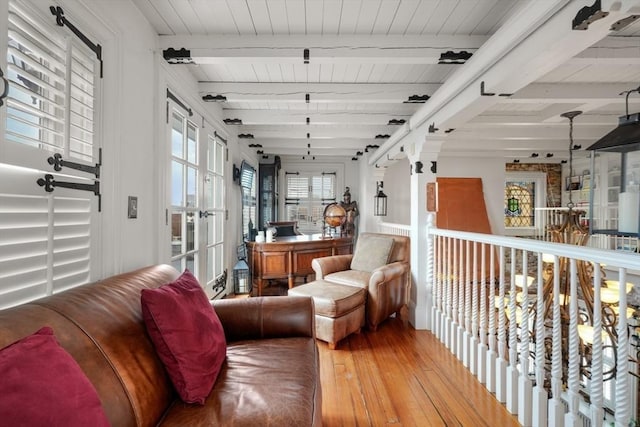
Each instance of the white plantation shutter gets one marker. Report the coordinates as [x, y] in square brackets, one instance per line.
[46, 239]
[52, 80]
[307, 194]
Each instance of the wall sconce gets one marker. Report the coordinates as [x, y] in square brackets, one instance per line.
[380, 201]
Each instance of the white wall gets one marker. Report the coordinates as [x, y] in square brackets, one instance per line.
[491, 170]
[398, 191]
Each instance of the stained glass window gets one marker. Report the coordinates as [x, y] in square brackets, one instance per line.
[519, 203]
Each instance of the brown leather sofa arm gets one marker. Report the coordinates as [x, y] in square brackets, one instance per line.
[266, 317]
[330, 264]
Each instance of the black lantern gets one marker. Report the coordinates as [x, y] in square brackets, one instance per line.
[241, 276]
[380, 201]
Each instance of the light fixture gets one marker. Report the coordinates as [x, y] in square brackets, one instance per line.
[380, 200]
[619, 150]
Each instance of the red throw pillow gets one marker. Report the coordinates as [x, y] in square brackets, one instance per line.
[187, 335]
[42, 385]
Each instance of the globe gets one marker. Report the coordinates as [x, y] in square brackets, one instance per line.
[334, 215]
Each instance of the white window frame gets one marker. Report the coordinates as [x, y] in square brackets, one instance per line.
[312, 221]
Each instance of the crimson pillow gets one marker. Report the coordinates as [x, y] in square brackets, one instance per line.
[42, 385]
[187, 335]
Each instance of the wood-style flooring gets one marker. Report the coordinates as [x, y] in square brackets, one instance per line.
[398, 376]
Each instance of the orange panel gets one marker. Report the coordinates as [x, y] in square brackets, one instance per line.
[461, 205]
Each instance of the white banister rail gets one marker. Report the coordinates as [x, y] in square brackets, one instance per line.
[393, 228]
[522, 332]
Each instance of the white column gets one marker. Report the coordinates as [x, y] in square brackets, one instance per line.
[420, 298]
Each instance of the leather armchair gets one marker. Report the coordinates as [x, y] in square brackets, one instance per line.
[387, 286]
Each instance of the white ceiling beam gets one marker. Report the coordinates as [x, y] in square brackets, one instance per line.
[532, 43]
[571, 92]
[610, 51]
[328, 143]
[318, 92]
[489, 121]
[373, 49]
[293, 118]
[316, 132]
[557, 146]
[532, 132]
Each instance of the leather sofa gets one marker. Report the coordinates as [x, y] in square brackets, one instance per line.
[270, 375]
[387, 287]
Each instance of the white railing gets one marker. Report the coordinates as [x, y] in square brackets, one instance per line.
[392, 228]
[524, 339]
[544, 217]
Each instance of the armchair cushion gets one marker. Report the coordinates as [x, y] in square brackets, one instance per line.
[371, 252]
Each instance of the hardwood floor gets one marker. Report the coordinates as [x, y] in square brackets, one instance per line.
[398, 376]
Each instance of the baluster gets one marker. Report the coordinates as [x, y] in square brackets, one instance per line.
[482, 344]
[623, 409]
[466, 340]
[491, 376]
[454, 299]
[539, 410]
[572, 418]
[512, 369]
[556, 407]
[461, 302]
[596, 391]
[441, 283]
[501, 362]
[450, 269]
[431, 276]
[525, 387]
[473, 354]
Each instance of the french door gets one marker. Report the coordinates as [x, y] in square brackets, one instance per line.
[197, 213]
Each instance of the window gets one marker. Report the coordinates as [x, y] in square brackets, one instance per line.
[46, 238]
[524, 192]
[306, 196]
[198, 210]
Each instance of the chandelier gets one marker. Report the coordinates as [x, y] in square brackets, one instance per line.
[557, 281]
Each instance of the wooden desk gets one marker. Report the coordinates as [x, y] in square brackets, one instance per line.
[290, 257]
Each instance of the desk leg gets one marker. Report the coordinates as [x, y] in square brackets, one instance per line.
[260, 283]
[292, 281]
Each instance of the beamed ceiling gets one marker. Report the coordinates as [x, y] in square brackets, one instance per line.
[379, 72]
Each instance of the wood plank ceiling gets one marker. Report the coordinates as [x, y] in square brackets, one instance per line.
[368, 58]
